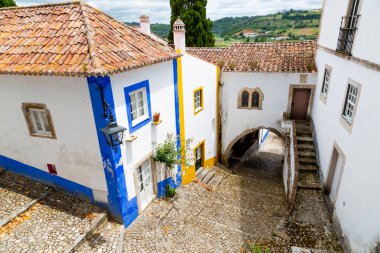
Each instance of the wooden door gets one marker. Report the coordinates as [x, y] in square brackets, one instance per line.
[300, 104]
[335, 175]
[199, 157]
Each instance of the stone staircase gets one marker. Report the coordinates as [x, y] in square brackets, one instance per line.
[308, 167]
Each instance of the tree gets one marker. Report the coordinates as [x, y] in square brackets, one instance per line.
[7, 3]
[198, 26]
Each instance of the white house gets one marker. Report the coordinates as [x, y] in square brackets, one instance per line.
[62, 80]
[259, 82]
[85, 98]
[346, 121]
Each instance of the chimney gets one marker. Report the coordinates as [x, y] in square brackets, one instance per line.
[145, 24]
[179, 34]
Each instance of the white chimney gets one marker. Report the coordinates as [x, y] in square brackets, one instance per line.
[145, 24]
[179, 34]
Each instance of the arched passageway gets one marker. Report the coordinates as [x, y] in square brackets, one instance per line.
[256, 151]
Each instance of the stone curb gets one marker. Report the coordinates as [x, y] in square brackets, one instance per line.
[97, 222]
[120, 243]
[23, 209]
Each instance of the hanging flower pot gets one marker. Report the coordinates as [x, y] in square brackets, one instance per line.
[156, 117]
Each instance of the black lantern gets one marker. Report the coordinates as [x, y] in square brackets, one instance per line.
[113, 132]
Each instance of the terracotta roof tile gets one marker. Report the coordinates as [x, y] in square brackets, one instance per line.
[72, 39]
[261, 57]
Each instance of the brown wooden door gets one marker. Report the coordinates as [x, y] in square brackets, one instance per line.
[300, 104]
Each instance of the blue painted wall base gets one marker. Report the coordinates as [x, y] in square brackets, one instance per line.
[44, 177]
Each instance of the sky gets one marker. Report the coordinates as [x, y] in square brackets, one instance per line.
[159, 10]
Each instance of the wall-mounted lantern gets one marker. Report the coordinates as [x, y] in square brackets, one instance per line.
[113, 133]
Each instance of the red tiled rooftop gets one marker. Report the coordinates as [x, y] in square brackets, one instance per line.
[261, 57]
[72, 39]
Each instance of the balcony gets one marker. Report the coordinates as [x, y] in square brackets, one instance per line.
[348, 27]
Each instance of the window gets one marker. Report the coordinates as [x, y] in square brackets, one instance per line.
[250, 99]
[198, 100]
[348, 28]
[137, 99]
[326, 82]
[255, 99]
[144, 176]
[38, 120]
[349, 105]
[138, 105]
[244, 99]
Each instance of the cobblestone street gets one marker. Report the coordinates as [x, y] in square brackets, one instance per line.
[247, 204]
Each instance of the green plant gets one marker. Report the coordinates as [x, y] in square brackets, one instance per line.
[253, 65]
[257, 248]
[221, 64]
[170, 191]
[231, 66]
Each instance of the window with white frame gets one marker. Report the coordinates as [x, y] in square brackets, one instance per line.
[138, 105]
[350, 103]
[38, 120]
[326, 82]
[198, 100]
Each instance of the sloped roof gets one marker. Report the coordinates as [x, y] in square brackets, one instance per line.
[261, 57]
[72, 39]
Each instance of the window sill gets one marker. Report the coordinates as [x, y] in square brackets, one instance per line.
[43, 136]
[323, 98]
[198, 110]
[346, 124]
[130, 138]
[156, 123]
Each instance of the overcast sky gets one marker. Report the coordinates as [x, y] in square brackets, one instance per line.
[159, 10]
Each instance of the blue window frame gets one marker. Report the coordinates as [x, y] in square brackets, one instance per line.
[137, 98]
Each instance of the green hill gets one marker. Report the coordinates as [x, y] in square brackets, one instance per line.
[291, 25]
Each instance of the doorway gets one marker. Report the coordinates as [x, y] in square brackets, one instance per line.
[335, 174]
[300, 103]
[145, 183]
[199, 156]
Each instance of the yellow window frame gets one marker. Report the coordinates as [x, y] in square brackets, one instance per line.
[197, 110]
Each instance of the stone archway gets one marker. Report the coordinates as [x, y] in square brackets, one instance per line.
[227, 153]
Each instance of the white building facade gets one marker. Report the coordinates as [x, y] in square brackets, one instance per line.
[348, 60]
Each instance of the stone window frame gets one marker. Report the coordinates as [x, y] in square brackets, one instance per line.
[25, 109]
[250, 92]
[323, 95]
[345, 123]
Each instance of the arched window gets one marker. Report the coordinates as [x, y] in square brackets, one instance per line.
[255, 99]
[244, 99]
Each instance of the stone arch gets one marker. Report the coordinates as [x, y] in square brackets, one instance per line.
[227, 153]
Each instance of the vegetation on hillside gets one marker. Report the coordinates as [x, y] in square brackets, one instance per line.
[289, 25]
[198, 26]
[7, 3]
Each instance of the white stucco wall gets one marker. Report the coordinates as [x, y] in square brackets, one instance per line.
[358, 202]
[367, 39]
[275, 87]
[161, 84]
[75, 152]
[200, 127]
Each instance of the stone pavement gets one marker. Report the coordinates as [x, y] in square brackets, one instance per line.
[247, 205]
[53, 224]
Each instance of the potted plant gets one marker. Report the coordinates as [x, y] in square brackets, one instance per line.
[156, 117]
[168, 154]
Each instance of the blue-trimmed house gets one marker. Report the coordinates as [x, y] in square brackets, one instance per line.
[56, 97]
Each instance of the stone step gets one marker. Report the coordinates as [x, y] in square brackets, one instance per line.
[202, 174]
[59, 222]
[308, 176]
[307, 161]
[304, 129]
[306, 154]
[304, 135]
[305, 147]
[303, 122]
[309, 185]
[310, 168]
[107, 238]
[198, 172]
[208, 177]
[304, 140]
